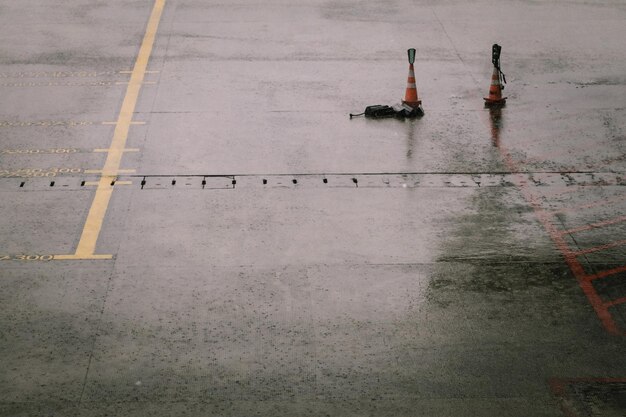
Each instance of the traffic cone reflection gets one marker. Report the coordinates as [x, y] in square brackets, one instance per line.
[495, 121]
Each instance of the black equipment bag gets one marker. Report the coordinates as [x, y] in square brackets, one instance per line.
[379, 111]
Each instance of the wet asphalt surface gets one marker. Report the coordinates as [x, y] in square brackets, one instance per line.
[268, 255]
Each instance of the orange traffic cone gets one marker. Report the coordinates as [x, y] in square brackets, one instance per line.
[495, 90]
[410, 97]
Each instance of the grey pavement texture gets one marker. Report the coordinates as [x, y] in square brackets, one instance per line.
[272, 257]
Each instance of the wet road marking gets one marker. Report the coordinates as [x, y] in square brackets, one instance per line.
[600, 248]
[103, 150]
[26, 257]
[599, 203]
[605, 273]
[61, 84]
[95, 183]
[79, 257]
[110, 173]
[130, 123]
[546, 218]
[38, 172]
[50, 151]
[58, 151]
[146, 72]
[596, 225]
[616, 302]
[93, 224]
[127, 82]
[57, 74]
[46, 123]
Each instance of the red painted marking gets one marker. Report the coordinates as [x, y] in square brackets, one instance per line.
[603, 223]
[599, 203]
[600, 307]
[545, 218]
[606, 273]
[600, 248]
[616, 302]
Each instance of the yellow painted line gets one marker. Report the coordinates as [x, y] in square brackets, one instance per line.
[112, 173]
[96, 183]
[93, 224]
[131, 123]
[103, 150]
[81, 257]
[146, 72]
[126, 82]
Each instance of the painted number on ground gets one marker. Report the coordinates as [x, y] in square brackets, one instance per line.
[26, 257]
[37, 173]
[45, 123]
[59, 84]
[37, 151]
[56, 74]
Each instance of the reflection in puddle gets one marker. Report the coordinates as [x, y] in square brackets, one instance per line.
[496, 123]
[410, 138]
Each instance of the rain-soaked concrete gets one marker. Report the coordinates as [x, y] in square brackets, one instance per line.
[240, 247]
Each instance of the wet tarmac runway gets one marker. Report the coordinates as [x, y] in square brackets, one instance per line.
[191, 224]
